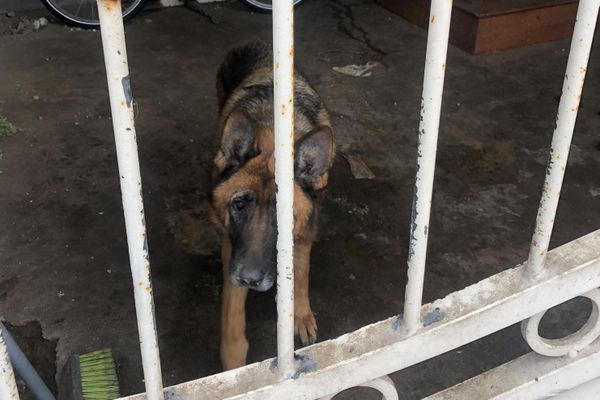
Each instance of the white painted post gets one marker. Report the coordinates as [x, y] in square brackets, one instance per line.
[121, 104]
[283, 75]
[431, 104]
[8, 385]
[581, 43]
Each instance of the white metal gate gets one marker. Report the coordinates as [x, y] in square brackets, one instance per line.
[565, 368]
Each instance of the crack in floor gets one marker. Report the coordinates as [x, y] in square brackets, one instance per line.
[363, 124]
[346, 24]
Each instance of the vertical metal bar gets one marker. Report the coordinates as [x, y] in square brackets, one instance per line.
[431, 103]
[581, 43]
[8, 385]
[283, 77]
[121, 104]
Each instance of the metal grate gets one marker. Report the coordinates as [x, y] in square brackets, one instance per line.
[366, 356]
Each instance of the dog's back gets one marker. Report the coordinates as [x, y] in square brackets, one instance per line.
[245, 82]
[238, 65]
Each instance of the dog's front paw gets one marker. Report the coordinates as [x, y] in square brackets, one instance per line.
[305, 327]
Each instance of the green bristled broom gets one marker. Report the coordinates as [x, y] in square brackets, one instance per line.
[91, 376]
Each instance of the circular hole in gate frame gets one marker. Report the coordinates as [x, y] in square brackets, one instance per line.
[565, 319]
[570, 344]
[359, 392]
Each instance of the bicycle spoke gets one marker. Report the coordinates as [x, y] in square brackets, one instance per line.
[93, 8]
[79, 7]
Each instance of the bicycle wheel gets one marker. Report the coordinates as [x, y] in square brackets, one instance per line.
[84, 13]
[263, 6]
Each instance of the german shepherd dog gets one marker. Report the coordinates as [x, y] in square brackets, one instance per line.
[243, 193]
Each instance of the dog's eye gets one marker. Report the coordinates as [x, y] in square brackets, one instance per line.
[239, 204]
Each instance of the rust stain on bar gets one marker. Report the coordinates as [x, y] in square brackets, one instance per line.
[110, 4]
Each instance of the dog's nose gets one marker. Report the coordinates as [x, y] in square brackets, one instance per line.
[250, 277]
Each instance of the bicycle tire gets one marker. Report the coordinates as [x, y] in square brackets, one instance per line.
[74, 21]
[263, 7]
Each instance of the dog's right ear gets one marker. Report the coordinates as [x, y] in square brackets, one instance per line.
[238, 144]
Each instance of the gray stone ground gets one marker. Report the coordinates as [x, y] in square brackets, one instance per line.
[63, 257]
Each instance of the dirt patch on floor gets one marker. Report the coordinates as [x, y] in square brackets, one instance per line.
[479, 163]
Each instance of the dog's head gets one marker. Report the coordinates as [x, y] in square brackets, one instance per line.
[243, 200]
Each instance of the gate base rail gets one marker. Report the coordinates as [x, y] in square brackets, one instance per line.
[531, 376]
[384, 347]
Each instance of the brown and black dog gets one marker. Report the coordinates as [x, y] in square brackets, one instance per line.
[243, 194]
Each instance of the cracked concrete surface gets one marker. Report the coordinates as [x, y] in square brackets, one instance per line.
[63, 254]
[346, 24]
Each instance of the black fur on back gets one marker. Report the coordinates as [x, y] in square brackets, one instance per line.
[238, 65]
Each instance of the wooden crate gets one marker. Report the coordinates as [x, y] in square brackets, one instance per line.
[481, 26]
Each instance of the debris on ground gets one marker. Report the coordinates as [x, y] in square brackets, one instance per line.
[360, 71]
[24, 25]
[6, 128]
[358, 167]
[361, 236]
[200, 9]
[351, 208]
[39, 23]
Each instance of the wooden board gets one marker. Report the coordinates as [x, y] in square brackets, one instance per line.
[482, 26]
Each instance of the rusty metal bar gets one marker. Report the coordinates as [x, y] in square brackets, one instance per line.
[581, 43]
[283, 77]
[431, 104]
[121, 104]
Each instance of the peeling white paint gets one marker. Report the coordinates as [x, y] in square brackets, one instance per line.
[581, 43]
[431, 105]
[283, 79]
[119, 89]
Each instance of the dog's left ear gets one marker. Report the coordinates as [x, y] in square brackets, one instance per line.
[238, 143]
[313, 157]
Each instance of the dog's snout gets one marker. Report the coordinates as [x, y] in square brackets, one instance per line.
[250, 277]
[249, 282]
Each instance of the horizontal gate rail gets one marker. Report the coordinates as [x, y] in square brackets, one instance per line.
[531, 376]
[382, 348]
[587, 390]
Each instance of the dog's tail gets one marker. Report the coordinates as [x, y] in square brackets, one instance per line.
[239, 63]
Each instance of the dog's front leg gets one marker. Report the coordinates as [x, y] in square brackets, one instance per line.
[305, 325]
[234, 345]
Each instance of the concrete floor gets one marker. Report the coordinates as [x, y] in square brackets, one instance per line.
[63, 255]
